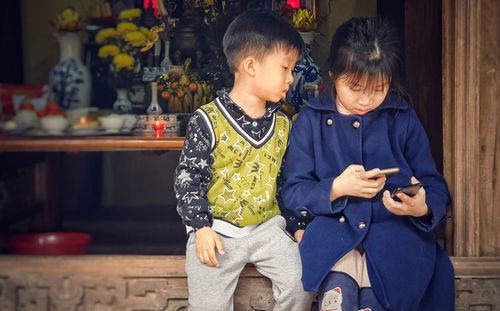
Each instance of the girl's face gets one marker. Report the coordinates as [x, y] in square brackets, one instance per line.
[361, 97]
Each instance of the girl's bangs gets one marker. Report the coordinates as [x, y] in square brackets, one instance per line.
[369, 80]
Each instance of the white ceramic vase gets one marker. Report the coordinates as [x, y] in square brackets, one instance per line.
[166, 62]
[154, 107]
[70, 80]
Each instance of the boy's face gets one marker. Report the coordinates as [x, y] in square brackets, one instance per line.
[273, 74]
[360, 98]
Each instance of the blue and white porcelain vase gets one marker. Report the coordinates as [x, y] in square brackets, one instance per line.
[122, 102]
[306, 76]
[70, 80]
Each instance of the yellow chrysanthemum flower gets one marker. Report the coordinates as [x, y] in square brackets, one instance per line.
[125, 27]
[104, 34]
[123, 61]
[130, 14]
[70, 13]
[135, 38]
[68, 20]
[149, 34]
[108, 50]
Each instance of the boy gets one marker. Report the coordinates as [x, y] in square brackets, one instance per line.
[226, 177]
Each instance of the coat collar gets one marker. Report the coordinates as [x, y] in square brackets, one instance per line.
[325, 102]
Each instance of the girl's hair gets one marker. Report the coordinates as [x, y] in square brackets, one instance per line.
[256, 33]
[366, 48]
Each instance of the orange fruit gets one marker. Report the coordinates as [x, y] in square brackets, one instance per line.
[27, 106]
[52, 106]
[180, 93]
[175, 84]
[161, 87]
[165, 95]
[193, 87]
[53, 113]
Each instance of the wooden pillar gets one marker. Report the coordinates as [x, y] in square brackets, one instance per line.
[470, 122]
[461, 38]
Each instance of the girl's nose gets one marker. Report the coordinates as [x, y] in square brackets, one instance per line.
[363, 101]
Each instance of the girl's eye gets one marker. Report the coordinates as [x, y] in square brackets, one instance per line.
[285, 67]
[356, 88]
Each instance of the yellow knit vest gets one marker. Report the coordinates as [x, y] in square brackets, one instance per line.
[243, 186]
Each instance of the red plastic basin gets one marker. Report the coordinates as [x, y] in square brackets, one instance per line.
[49, 243]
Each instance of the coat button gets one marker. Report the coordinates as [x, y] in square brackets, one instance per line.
[356, 124]
[303, 214]
[329, 122]
[361, 225]
[341, 219]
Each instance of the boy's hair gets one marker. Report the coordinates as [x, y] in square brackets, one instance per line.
[255, 33]
[367, 47]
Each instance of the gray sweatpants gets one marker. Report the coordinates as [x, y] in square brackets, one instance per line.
[272, 252]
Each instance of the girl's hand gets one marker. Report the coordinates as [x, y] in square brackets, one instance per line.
[298, 235]
[355, 181]
[409, 206]
[207, 241]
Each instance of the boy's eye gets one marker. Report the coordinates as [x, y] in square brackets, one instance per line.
[285, 67]
[356, 88]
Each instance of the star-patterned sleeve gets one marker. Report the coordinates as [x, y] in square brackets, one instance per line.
[193, 175]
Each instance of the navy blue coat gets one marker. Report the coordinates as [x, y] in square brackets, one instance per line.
[408, 270]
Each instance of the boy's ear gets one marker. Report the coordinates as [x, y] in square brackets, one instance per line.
[330, 74]
[248, 65]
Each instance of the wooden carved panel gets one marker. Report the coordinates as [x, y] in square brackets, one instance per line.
[21, 292]
[109, 283]
[477, 294]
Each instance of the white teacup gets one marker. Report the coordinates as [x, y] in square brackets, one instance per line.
[113, 122]
[54, 124]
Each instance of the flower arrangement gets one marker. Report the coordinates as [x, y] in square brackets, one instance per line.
[210, 10]
[122, 44]
[302, 19]
[69, 20]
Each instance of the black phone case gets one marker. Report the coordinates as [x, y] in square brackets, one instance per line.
[409, 190]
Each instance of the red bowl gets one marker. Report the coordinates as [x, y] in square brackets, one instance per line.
[49, 243]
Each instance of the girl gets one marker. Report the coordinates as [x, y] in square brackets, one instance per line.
[363, 249]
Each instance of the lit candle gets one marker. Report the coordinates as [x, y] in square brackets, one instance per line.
[158, 126]
[158, 133]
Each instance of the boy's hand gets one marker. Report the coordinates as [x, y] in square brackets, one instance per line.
[409, 206]
[355, 181]
[298, 235]
[207, 241]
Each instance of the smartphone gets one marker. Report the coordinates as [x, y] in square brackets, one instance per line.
[409, 190]
[388, 172]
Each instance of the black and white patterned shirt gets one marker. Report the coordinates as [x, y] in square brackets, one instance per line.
[193, 174]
